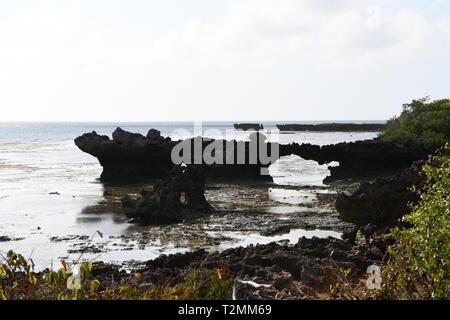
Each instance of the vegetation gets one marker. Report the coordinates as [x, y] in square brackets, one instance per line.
[19, 282]
[421, 122]
[419, 267]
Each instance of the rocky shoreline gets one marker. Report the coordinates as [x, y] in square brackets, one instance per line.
[278, 270]
[306, 270]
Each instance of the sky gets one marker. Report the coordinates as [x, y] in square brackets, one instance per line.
[183, 60]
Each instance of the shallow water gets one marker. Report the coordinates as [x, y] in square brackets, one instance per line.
[51, 202]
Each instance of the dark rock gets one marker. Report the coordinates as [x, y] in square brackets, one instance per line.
[246, 290]
[362, 159]
[178, 260]
[154, 136]
[374, 254]
[128, 157]
[312, 275]
[132, 157]
[178, 197]
[269, 271]
[381, 203]
[126, 138]
[101, 268]
[282, 280]
[339, 255]
[350, 235]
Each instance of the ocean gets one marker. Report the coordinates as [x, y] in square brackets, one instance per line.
[52, 204]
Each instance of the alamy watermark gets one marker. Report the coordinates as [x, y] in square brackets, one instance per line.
[374, 277]
[215, 147]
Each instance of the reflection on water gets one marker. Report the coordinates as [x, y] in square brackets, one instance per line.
[31, 170]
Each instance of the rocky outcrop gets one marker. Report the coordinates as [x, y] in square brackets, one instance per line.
[178, 197]
[332, 127]
[132, 157]
[382, 202]
[129, 157]
[361, 159]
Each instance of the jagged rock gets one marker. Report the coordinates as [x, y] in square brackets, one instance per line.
[311, 263]
[307, 269]
[129, 139]
[362, 159]
[132, 157]
[178, 197]
[155, 136]
[350, 235]
[382, 202]
[5, 239]
[128, 157]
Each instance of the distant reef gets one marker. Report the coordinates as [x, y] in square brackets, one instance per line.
[332, 127]
[248, 126]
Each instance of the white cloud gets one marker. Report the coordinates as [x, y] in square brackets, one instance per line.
[319, 29]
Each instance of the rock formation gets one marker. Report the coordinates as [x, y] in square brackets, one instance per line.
[382, 202]
[362, 159]
[178, 197]
[129, 157]
[132, 157]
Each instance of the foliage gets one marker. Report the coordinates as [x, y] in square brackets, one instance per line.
[20, 282]
[419, 265]
[421, 122]
[197, 285]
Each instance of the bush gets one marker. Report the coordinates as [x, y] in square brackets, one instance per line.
[419, 265]
[18, 281]
[421, 122]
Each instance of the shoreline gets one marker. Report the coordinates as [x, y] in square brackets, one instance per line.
[259, 218]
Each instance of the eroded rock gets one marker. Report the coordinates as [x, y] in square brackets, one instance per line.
[132, 157]
[180, 196]
[382, 202]
[365, 159]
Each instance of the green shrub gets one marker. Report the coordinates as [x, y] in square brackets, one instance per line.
[419, 265]
[421, 122]
[18, 281]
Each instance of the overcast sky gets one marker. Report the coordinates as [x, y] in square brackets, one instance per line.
[151, 60]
